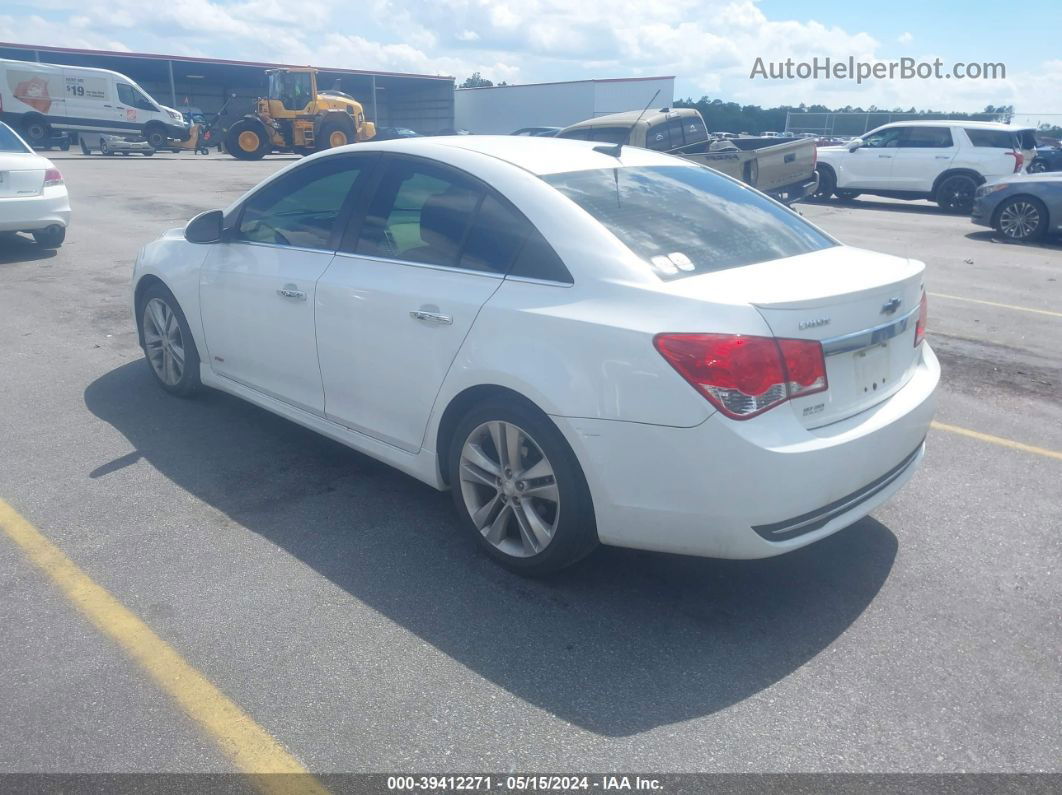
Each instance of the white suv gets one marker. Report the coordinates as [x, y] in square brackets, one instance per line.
[943, 161]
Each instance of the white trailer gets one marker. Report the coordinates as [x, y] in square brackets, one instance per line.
[37, 98]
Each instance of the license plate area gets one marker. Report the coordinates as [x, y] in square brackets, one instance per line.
[871, 368]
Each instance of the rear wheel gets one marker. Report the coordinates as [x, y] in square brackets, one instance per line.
[84, 148]
[36, 131]
[1022, 218]
[50, 237]
[247, 140]
[827, 183]
[1037, 166]
[168, 344]
[104, 148]
[956, 193]
[519, 489]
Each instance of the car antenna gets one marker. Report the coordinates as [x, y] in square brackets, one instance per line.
[614, 151]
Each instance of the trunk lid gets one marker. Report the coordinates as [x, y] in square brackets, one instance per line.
[861, 305]
[21, 174]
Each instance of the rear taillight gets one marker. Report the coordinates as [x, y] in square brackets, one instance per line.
[52, 177]
[923, 316]
[1019, 160]
[744, 376]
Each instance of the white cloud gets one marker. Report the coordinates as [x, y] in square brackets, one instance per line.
[905, 38]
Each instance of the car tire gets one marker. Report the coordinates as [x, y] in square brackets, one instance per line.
[333, 134]
[848, 195]
[247, 139]
[84, 148]
[105, 149]
[827, 183]
[528, 534]
[50, 237]
[148, 153]
[167, 342]
[1021, 219]
[956, 193]
[155, 135]
[36, 131]
[1037, 166]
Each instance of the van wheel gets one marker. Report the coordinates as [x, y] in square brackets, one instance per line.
[956, 193]
[155, 136]
[84, 148]
[36, 131]
[520, 490]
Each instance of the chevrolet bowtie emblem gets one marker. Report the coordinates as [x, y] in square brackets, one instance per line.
[890, 306]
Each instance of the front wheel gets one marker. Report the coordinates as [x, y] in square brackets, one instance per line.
[246, 140]
[956, 193]
[520, 490]
[1022, 218]
[155, 136]
[168, 344]
[827, 183]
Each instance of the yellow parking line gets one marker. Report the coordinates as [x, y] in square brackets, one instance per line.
[247, 744]
[1047, 312]
[986, 437]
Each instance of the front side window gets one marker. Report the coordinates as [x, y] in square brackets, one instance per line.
[126, 95]
[685, 220]
[926, 138]
[421, 213]
[884, 139]
[301, 208]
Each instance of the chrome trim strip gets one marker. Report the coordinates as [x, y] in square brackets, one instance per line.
[428, 265]
[858, 340]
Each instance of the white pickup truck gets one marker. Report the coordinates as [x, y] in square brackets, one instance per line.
[943, 161]
[782, 168]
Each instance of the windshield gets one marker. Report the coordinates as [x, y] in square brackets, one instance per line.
[9, 142]
[685, 220]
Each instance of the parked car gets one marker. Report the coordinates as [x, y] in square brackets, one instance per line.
[943, 161]
[784, 170]
[1023, 207]
[583, 347]
[547, 132]
[57, 140]
[390, 133]
[33, 197]
[40, 98]
[114, 145]
[1047, 158]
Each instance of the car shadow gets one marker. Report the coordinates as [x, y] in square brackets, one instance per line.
[875, 203]
[621, 643]
[17, 248]
[988, 236]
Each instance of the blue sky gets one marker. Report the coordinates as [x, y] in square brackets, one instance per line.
[710, 45]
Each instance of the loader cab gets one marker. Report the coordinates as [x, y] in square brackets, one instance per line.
[293, 90]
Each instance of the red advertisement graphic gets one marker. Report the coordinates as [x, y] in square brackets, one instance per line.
[34, 92]
[130, 114]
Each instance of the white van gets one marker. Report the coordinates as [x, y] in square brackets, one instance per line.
[37, 98]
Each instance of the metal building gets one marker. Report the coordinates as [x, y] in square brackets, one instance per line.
[424, 103]
[504, 109]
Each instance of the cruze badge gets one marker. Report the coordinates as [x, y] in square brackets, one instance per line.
[819, 321]
[890, 306]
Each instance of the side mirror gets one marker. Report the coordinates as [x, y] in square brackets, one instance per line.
[205, 228]
[854, 144]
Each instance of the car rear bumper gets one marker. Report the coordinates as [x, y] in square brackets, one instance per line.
[33, 213]
[756, 488]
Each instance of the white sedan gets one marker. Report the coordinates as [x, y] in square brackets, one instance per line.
[33, 197]
[587, 344]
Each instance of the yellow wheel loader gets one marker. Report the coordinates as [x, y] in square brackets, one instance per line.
[295, 117]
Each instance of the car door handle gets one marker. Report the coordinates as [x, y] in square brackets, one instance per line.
[942, 157]
[885, 156]
[291, 291]
[431, 317]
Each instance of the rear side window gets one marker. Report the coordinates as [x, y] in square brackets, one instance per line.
[926, 138]
[684, 220]
[659, 137]
[496, 236]
[420, 213]
[996, 139]
[9, 142]
[301, 208]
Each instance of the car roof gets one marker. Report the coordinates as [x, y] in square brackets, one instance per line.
[537, 155]
[629, 117]
[979, 125]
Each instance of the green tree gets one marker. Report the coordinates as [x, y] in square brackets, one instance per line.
[476, 81]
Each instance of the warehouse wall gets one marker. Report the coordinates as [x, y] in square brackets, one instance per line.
[616, 96]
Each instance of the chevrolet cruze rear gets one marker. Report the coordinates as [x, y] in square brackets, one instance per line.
[584, 345]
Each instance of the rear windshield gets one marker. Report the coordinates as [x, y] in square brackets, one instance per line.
[9, 142]
[685, 220]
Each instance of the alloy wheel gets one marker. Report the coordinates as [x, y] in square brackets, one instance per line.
[957, 193]
[163, 342]
[509, 489]
[1019, 220]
